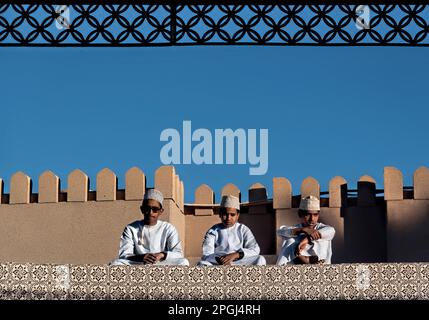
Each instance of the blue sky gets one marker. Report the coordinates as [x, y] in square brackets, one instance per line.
[329, 111]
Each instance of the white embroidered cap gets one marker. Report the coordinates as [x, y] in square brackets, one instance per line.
[310, 203]
[230, 202]
[154, 194]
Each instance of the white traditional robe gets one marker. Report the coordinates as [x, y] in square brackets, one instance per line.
[220, 240]
[321, 248]
[139, 238]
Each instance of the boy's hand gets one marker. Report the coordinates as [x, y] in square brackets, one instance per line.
[136, 258]
[150, 258]
[315, 235]
[301, 246]
[307, 230]
[229, 258]
[160, 256]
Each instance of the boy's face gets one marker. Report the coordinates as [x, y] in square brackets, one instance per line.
[229, 217]
[151, 210]
[310, 218]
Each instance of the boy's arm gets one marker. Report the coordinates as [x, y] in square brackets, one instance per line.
[327, 233]
[209, 246]
[126, 247]
[289, 232]
[173, 249]
[250, 246]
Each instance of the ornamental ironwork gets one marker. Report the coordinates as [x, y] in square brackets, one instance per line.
[144, 25]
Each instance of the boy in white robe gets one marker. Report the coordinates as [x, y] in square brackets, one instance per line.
[230, 242]
[150, 241]
[309, 242]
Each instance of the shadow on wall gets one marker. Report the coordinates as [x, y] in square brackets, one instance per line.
[365, 227]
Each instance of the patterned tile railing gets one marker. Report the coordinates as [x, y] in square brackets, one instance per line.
[345, 282]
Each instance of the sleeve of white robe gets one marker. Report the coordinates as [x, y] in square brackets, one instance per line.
[174, 247]
[250, 246]
[126, 247]
[286, 232]
[209, 246]
[327, 232]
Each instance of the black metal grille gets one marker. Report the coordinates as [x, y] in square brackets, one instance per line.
[179, 25]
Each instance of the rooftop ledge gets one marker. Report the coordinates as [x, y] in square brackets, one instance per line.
[405, 281]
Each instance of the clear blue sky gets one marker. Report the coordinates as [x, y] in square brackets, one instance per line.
[329, 111]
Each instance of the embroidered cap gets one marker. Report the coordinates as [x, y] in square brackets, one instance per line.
[310, 203]
[153, 194]
[230, 202]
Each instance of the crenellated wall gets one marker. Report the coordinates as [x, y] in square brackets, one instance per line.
[78, 225]
[82, 226]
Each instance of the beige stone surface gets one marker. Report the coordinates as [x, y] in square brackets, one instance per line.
[68, 232]
[182, 196]
[176, 194]
[196, 228]
[366, 178]
[310, 187]
[165, 181]
[333, 217]
[48, 187]
[337, 192]
[174, 215]
[135, 184]
[204, 195]
[282, 193]
[20, 188]
[77, 186]
[393, 184]
[231, 190]
[421, 184]
[106, 185]
[1, 190]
